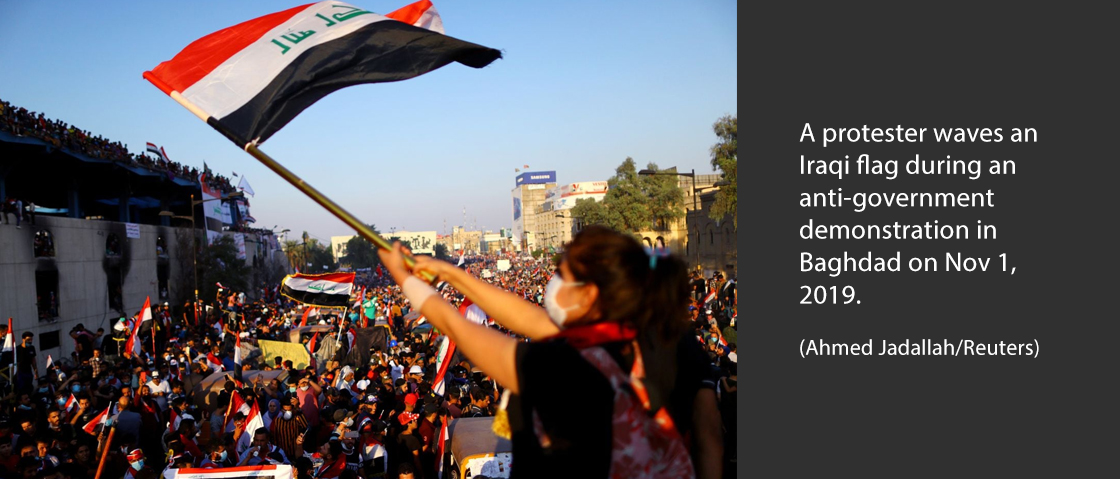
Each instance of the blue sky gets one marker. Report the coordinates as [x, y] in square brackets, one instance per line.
[582, 85]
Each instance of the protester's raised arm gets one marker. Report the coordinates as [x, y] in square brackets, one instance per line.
[507, 309]
[491, 351]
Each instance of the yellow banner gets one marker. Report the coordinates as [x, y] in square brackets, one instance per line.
[293, 351]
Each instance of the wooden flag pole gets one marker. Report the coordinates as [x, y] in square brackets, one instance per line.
[350, 220]
[105, 451]
[316, 196]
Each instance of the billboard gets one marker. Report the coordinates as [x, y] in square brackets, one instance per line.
[212, 211]
[518, 220]
[536, 178]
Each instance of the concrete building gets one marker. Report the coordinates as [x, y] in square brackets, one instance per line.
[99, 245]
[713, 244]
[421, 242]
[338, 246]
[528, 194]
[554, 221]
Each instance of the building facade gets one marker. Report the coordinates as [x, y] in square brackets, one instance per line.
[528, 194]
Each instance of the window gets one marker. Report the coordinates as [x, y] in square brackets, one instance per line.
[44, 244]
[46, 294]
[660, 242]
[647, 242]
[711, 237]
[163, 272]
[113, 286]
[113, 245]
[48, 340]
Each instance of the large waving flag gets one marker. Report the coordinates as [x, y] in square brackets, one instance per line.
[249, 80]
[331, 289]
[132, 347]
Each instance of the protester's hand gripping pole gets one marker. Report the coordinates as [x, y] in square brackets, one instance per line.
[105, 448]
[251, 148]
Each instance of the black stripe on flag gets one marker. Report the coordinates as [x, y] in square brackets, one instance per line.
[385, 51]
[316, 299]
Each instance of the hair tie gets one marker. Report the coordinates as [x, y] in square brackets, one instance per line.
[653, 254]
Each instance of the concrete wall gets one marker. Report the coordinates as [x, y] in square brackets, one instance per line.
[81, 262]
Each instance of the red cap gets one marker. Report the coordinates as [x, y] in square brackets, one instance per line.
[410, 399]
[135, 455]
[407, 417]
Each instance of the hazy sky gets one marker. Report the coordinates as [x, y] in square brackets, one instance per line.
[582, 85]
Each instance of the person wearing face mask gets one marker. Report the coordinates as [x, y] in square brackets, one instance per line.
[218, 457]
[136, 467]
[289, 424]
[614, 321]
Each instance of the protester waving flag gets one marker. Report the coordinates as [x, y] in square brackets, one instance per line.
[132, 347]
[71, 405]
[331, 289]
[249, 80]
[253, 421]
[98, 420]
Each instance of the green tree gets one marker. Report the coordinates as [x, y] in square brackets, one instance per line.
[360, 253]
[440, 250]
[724, 154]
[634, 202]
[664, 197]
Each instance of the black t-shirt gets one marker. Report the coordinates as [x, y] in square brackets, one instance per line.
[575, 404]
[25, 356]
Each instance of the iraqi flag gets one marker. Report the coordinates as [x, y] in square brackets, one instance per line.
[50, 362]
[307, 313]
[132, 347]
[71, 405]
[710, 297]
[98, 420]
[253, 421]
[443, 437]
[277, 471]
[214, 362]
[330, 290]
[443, 359]
[473, 313]
[236, 405]
[173, 421]
[249, 80]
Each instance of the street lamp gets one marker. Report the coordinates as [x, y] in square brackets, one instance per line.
[194, 241]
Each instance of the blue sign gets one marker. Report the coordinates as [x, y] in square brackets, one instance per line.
[536, 178]
[516, 208]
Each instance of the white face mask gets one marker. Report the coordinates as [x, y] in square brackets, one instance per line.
[287, 415]
[557, 313]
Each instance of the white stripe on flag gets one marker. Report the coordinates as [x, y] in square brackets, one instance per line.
[319, 286]
[240, 78]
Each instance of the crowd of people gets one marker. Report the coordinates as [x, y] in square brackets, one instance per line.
[20, 121]
[365, 406]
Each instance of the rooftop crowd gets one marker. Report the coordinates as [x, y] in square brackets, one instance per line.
[20, 121]
[341, 416]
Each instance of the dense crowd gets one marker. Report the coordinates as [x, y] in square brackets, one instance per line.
[20, 121]
[363, 407]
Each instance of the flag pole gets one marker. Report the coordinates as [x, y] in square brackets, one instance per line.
[105, 451]
[318, 197]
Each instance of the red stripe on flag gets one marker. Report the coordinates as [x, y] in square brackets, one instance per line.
[205, 54]
[410, 14]
[334, 277]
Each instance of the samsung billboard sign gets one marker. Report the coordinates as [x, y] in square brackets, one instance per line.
[536, 177]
